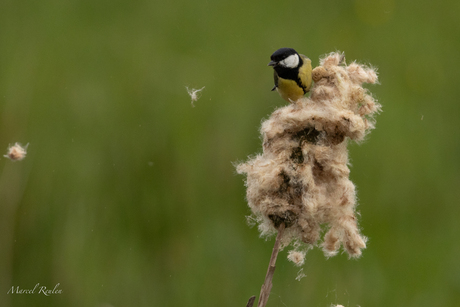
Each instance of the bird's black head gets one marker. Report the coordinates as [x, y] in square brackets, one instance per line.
[281, 54]
[285, 57]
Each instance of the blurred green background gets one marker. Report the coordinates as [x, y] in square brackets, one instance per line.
[128, 195]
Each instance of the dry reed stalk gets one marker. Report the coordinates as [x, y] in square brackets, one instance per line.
[267, 285]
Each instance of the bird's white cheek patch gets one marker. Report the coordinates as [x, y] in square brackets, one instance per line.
[291, 61]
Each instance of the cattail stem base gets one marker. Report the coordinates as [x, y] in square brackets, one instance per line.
[267, 286]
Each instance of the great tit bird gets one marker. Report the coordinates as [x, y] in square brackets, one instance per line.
[292, 73]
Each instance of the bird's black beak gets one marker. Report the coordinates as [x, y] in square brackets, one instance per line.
[272, 63]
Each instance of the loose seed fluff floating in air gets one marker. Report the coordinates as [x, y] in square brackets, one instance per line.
[16, 152]
[301, 179]
[194, 94]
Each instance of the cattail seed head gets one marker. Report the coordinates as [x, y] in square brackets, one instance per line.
[302, 177]
[318, 73]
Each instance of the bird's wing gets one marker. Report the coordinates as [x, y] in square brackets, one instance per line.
[305, 73]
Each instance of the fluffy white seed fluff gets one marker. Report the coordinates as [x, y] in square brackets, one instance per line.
[16, 152]
[195, 94]
[297, 257]
[300, 275]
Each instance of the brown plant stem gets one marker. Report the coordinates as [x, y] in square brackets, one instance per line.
[251, 301]
[267, 286]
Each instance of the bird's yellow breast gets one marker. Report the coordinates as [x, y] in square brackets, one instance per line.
[289, 90]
